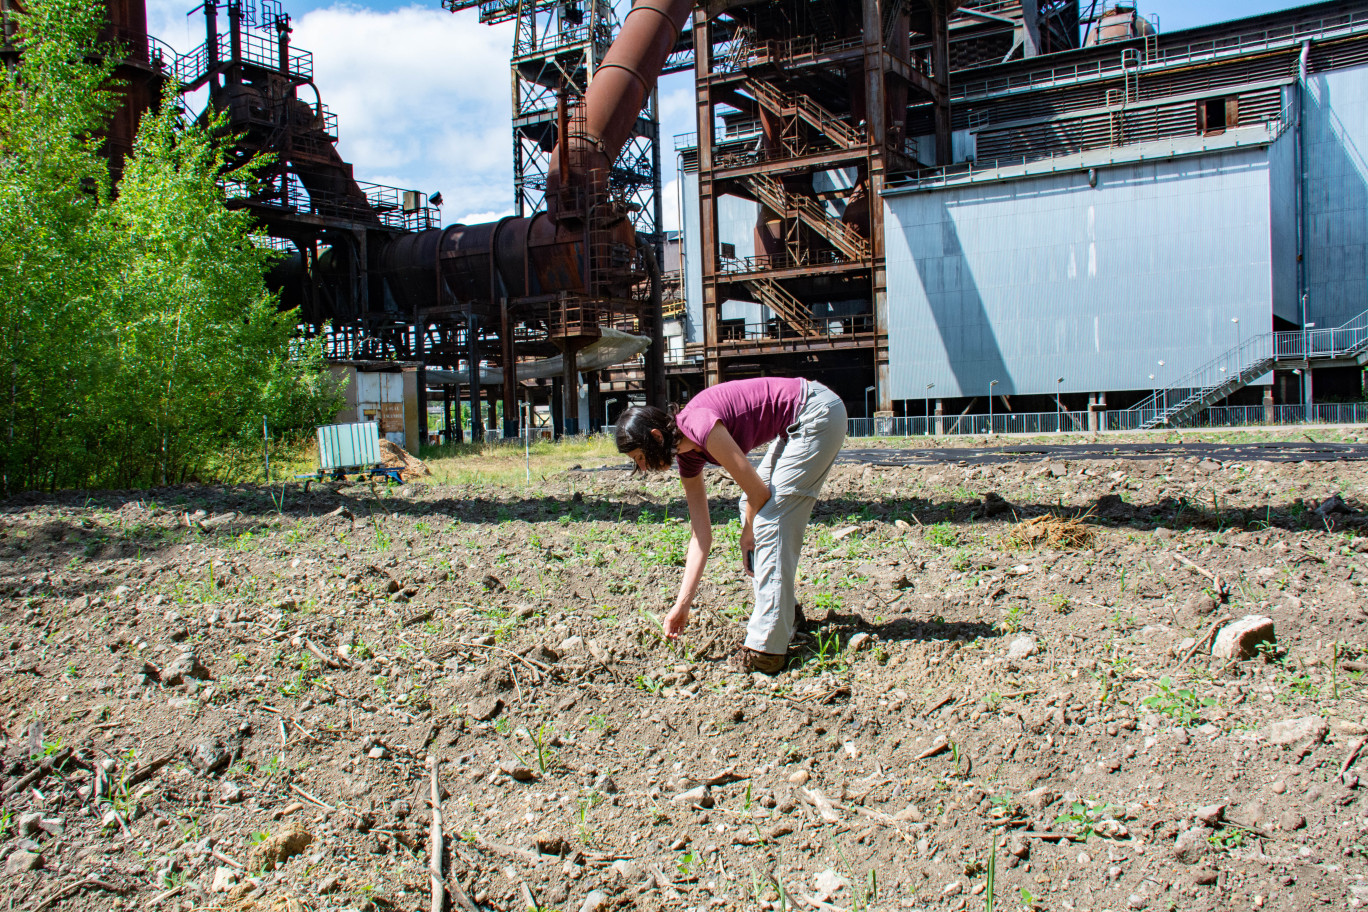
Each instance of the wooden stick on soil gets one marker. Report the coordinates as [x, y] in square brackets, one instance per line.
[72, 889]
[307, 797]
[530, 663]
[147, 772]
[435, 857]
[38, 773]
[1353, 755]
[1205, 640]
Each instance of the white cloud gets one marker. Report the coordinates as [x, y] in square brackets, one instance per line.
[421, 96]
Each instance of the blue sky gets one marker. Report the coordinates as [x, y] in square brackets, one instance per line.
[422, 95]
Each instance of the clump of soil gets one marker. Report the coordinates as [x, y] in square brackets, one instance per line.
[393, 456]
[214, 700]
[1050, 531]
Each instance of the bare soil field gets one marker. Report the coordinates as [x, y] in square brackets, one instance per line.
[1041, 684]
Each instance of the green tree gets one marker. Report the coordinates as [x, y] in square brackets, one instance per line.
[138, 339]
[52, 184]
[203, 350]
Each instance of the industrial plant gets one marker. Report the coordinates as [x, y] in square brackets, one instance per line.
[935, 208]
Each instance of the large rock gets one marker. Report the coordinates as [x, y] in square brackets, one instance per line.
[1241, 639]
[274, 850]
[1022, 648]
[1308, 729]
[1192, 845]
[1199, 605]
[21, 861]
[182, 668]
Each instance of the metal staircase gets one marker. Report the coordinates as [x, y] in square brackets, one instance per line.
[1247, 362]
[804, 108]
[789, 309]
[844, 238]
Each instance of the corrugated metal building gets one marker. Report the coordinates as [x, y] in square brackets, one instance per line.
[1120, 214]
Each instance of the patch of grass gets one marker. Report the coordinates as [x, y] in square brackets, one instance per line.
[1178, 703]
[488, 465]
[942, 534]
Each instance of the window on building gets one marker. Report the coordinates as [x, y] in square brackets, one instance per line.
[728, 251]
[1216, 115]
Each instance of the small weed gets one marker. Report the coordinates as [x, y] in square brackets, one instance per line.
[942, 534]
[1083, 817]
[546, 753]
[1178, 703]
[1227, 838]
[1011, 620]
[689, 863]
[828, 652]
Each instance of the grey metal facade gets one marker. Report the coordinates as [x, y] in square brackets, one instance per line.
[1025, 277]
[1336, 146]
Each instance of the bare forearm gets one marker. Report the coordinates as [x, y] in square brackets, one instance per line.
[694, 563]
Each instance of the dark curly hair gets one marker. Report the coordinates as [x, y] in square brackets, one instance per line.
[634, 427]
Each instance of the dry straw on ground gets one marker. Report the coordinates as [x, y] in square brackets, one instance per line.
[1058, 532]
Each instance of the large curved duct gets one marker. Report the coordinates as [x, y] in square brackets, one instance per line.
[617, 92]
[547, 254]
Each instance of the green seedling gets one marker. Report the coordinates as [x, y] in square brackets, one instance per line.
[1178, 703]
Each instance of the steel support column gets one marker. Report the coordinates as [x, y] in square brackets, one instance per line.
[420, 344]
[707, 200]
[940, 68]
[570, 388]
[510, 372]
[876, 106]
[473, 353]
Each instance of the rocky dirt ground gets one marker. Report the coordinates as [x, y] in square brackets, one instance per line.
[219, 698]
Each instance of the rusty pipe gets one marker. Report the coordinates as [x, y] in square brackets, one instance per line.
[618, 90]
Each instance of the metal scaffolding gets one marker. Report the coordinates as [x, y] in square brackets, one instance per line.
[557, 47]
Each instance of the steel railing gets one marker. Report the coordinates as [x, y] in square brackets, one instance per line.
[779, 330]
[1115, 420]
[1264, 40]
[1246, 362]
[1259, 134]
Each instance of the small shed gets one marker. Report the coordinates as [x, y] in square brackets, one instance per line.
[385, 392]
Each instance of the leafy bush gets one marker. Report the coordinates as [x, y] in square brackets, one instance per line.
[138, 339]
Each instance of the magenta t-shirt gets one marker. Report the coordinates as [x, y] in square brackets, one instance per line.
[753, 411]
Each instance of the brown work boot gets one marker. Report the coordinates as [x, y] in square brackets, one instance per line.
[748, 660]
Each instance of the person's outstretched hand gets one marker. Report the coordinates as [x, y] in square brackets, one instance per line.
[676, 621]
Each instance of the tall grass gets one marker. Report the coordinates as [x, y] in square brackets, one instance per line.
[474, 464]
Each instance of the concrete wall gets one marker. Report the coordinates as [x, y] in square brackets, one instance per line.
[1023, 281]
[1335, 122]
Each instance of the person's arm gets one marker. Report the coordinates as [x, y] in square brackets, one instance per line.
[727, 452]
[700, 543]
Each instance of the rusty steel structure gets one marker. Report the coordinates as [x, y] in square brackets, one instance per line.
[143, 67]
[371, 266]
[559, 47]
[805, 108]
[332, 228]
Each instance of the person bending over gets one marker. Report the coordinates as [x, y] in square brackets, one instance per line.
[807, 424]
